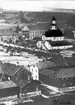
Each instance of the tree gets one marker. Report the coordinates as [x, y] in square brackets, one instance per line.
[22, 18]
[68, 33]
[18, 29]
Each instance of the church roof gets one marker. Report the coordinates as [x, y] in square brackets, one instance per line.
[53, 18]
[46, 64]
[53, 33]
[66, 72]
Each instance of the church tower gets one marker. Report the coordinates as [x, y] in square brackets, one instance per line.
[54, 33]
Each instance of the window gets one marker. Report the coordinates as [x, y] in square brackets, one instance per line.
[62, 79]
[40, 31]
[63, 84]
[36, 76]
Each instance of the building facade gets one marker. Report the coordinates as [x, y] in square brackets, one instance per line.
[7, 35]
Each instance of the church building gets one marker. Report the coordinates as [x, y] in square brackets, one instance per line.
[53, 38]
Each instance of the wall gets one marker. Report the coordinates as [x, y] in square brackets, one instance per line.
[60, 83]
[53, 38]
[36, 33]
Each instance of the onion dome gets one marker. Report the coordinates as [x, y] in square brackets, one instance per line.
[53, 31]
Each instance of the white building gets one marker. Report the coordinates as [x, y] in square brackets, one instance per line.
[34, 72]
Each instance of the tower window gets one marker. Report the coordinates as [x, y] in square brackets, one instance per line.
[36, 71]
[36, 76]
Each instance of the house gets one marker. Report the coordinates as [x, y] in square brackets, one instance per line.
[13, 72]
[36, 30]
[9, 89]
[7, 35]
[25, 31]
[63, 78]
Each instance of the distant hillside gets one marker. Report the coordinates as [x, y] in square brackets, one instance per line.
[37, 17]
[47, 16]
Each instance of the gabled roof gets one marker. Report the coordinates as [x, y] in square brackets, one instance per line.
[60, 73]
[7, 32]
[44, 65]
[40, 26]
[10, 69]
[46, 72]
[25, 28]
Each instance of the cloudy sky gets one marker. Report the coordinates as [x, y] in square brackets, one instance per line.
[36, 5]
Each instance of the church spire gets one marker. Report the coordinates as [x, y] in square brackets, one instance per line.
[53, 24]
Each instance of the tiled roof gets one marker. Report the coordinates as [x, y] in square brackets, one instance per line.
[66, 72]
[47, 64]
[10, 69]
[7, 84]
[44, 26]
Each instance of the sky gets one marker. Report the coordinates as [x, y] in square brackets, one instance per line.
[36, 5]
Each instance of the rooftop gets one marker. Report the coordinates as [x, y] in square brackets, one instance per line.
[63, 72]
[7, 84]
[25, 28]
[60, 43]
[43, 26]
[44, 65]
[53, 33]
[66, 72]
[10, 69]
